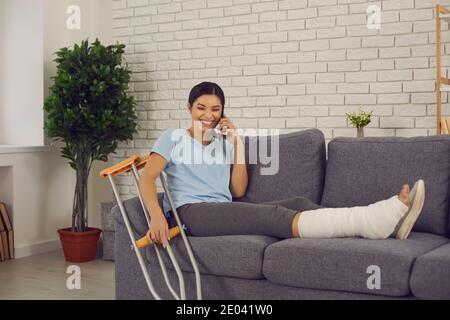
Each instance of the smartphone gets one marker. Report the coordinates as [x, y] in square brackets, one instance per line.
[217, 130]
[221, 135]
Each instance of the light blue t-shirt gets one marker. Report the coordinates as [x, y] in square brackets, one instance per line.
[195, 172]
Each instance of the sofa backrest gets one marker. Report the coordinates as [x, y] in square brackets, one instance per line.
[365, 170]
[301, 169]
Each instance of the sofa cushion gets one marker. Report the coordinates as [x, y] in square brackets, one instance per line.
[365, 170]
[233, 256]
[430, 276]
[343, 263]
[301, 167]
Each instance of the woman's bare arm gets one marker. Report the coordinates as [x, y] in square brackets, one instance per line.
[158, 231]
[239, 176]
[147, 182]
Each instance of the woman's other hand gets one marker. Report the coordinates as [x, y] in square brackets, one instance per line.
[159, 229]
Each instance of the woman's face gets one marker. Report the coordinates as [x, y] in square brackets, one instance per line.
[206, 110]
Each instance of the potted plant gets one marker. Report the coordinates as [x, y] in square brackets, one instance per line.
[359, 119]
[89, 110]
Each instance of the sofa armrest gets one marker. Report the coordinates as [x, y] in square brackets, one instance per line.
[135, 213]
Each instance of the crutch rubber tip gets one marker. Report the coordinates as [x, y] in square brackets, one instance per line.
[145, 241]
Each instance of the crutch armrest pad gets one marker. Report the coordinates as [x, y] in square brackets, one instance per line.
[119, 168]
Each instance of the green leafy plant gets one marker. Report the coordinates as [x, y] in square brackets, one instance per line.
[89, 110]
[360, 118]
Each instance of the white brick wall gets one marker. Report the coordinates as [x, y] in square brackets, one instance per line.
[288, 64]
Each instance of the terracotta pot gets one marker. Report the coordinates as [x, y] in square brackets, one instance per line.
[79, 246]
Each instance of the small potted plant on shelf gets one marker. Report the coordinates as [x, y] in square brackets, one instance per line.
[359, 119]
[89, 110]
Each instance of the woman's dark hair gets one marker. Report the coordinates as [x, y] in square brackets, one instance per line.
[206, 88]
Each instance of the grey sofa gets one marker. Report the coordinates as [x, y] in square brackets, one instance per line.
[357, 172]
[108, 232]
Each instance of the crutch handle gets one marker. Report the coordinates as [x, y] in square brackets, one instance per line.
[145, 241]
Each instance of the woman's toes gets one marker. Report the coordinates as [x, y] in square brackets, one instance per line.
[404, 195]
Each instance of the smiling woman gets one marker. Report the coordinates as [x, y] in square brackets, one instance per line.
[203, 193]
[206, 105]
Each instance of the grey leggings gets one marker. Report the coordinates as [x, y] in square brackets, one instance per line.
[273, 218]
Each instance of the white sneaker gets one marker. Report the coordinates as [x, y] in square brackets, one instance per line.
[416, 199]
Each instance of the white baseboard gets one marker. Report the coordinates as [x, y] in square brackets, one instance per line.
[37, 248]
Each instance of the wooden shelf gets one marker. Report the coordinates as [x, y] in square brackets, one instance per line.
[445, 122]
[442, 10]
[445, 85]
[445, 17]
[442, 83]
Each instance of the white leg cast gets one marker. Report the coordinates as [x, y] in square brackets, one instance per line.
[375, 221]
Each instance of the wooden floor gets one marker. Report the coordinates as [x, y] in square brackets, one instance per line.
[44, 277]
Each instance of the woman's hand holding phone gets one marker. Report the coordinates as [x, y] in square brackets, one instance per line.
[226, 127]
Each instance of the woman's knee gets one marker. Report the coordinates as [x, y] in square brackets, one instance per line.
[302, 200]
[304, 203]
